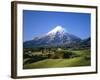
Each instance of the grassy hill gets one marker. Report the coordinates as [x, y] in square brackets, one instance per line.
[83, 59]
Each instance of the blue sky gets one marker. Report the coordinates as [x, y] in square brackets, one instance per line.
[37, 23]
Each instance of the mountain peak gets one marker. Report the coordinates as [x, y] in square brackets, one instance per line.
[57, 29]
[56, 37]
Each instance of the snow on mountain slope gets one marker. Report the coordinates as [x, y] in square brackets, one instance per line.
[57, 29]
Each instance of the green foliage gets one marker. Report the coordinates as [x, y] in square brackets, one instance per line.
[66, 54]
[56, 58]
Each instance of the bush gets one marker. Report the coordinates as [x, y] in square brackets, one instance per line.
[86, 57]
[51, 56]
[66, 54]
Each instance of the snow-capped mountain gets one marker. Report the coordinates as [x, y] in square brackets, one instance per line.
[56, 37]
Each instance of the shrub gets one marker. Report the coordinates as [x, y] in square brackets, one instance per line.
[86, 57]
[66, 54]
[51, 56]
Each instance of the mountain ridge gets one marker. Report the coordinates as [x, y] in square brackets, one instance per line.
[56, 37]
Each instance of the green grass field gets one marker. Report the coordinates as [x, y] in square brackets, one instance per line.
[82, 59]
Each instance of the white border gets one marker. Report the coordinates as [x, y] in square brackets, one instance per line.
[33, 72]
